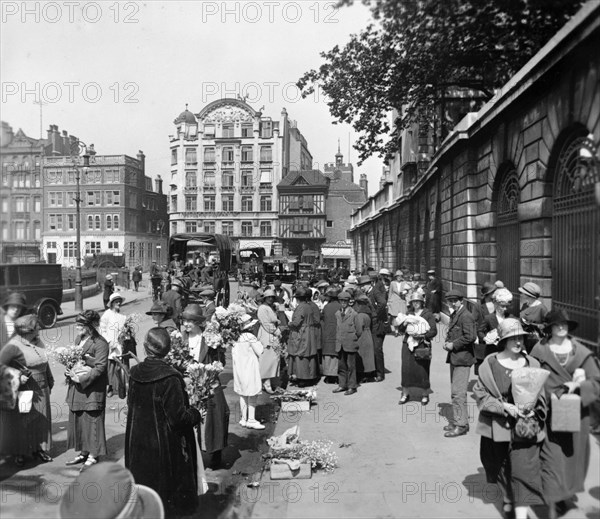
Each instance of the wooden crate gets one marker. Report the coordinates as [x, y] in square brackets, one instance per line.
[295, 407]
[282, 471]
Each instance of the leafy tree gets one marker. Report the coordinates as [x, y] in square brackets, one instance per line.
[415, 50]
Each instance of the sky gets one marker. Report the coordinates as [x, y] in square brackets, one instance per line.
[116, 74]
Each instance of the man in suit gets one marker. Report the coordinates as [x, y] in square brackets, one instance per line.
[208, 302]
[461, 336]
[379, 298]
[346, 345]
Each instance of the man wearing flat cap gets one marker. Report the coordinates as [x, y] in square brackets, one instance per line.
[433, 292]
[460, 338]
[174, 298]
[346, 345]
[208, 303]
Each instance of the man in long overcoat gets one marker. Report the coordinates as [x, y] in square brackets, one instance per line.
[379, 297]
[329, 335]
[460, 338]
[346, 345]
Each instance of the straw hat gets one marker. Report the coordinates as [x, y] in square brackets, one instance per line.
[510, 327]
[113, 297]
[531, 290]
[247, 321]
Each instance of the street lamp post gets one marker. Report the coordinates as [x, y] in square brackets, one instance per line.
[78, 281]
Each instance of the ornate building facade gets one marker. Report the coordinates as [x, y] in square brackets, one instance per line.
[226, 162]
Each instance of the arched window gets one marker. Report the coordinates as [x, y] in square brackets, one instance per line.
[575, 228]
[90, 220]
[108, 221]
[508, 231]
[97, 221]
[116, 221]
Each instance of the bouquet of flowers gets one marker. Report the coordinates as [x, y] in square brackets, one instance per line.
[415, 325]
[227, 324]
[288, 446]
[69, 356]
[129, 329]
[201, 381]
[179, 355]
[526, 385]
[295, 395]
[492, 337]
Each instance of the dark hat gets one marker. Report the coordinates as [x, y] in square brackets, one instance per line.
[559, 316]
[455, 294]
[277, 282]
[255, 284]
[344, 296]
[131, 500]
[360, 296]
[332, 292]
[488, 288]
[208, 292]
[300, 292]
[157, 342]
[15, 299]
[26, 324]
[88, 318]
[363, 280]
[159, 307]
[194, 313]
[531, 290]
[373, 274]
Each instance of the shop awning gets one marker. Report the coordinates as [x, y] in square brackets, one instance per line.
[336, 252]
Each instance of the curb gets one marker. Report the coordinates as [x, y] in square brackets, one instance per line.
[65, 317]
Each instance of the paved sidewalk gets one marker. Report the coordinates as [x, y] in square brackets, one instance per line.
[395, 461]
[96, 302]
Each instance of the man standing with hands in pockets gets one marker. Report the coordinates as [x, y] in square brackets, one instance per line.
[462, 333]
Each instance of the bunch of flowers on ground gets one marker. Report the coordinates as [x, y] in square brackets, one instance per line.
[201, 381]
[295, 395]
[179, 355]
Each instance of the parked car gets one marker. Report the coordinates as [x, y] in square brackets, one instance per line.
[42, 285]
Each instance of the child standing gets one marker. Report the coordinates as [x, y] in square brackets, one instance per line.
[246, 372]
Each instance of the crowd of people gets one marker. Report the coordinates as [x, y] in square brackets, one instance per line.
[324, 328]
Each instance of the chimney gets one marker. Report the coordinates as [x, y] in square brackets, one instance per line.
[364, 184]
[73, 146]
[142, 158]
[65, 143]
[158, 183]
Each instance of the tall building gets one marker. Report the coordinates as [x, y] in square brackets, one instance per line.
[21, 195]
[302, 202]
[344, 197]
[120, 212]
[226, 162]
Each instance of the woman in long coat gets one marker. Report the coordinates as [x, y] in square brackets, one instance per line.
[397, 295]
[270, 336]
[366, 352]
[566, 456]
[23, 434]
[514, 465]
[503, 301]
[415, 372]
[215, 428]
[328, 336]
[160, 448]
[302, 349]
[86, 395]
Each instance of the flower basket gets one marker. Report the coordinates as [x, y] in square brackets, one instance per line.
[295, 401]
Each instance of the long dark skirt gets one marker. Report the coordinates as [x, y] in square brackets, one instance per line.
[516, 468]
[24, 433]
[86, 432]
[415, 374]
[213, 433]
[304, 368]
[330, 365]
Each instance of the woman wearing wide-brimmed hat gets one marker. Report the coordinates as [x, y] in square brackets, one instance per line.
[512, 464]
[573, 369]
[214, 430]
[269, 335]
[161, 314]
[487, 332]
[415, 371]
[13, 307]
[397, 295]
[24, 434]
[302, 348]
[328, 337]
[160, 447]
[366, 351]
[86, 395]
[483, 308]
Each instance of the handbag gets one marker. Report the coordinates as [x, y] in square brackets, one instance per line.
[526, 429]
[423, 351]
[25, 401]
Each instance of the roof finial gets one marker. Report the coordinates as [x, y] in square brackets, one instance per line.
[186, 106]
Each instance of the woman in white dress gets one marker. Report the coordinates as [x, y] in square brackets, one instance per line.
[269, 335]
[397, 297]
[111, 325]
[246, 372]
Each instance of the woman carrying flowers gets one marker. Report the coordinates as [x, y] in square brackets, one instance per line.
[510, 460]
[23, 434]
[86, 396]
[112, 323]
[215, 427]
[270, 337]
[246, 372]
[573, 370]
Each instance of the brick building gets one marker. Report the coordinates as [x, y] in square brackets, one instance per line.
[120, 212]
[21, 196]
[510, 193]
